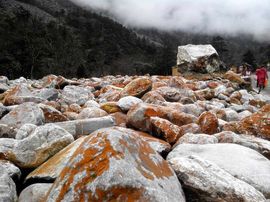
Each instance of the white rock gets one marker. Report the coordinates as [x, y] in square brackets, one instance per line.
[7, 188]
[91, 103]
[35, 192]
[241, 162]
[126, 103]
[25, 113]
[210, 182]
[77, 94]
[91, 112]
[25, 131]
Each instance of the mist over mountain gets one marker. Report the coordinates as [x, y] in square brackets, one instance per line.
[57, 36]
[233, 18]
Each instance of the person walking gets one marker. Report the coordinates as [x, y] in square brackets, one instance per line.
[262, 75]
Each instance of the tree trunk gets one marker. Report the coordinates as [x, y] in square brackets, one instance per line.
[32, 70]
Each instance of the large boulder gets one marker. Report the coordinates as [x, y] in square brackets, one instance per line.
[114, 165]
[25, 113]
[233, 77]
[137, 87]
[241, 162]
[206, 181]
[35, 192]
[35, 149]
[198, 58]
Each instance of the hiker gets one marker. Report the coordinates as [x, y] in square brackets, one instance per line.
[261, 74]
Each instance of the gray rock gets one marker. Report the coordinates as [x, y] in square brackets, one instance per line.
[22, 114]
[210, 182]
[35, 192]
[13, 171]
[7, 131]
[244, 114]
[77, 94]
[241, 162]
[47, 93]
[127, 102]
[32, 151]
[91, 112]
[91, 103]
[246, 96]
[220, 90]
[191, 138]
[86, 126]
[7, 188]
[260, 145]
[231, 115]
[25, 131]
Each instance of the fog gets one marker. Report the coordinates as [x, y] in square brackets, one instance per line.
[227, 17]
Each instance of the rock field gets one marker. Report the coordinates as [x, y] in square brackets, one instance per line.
[133, 138]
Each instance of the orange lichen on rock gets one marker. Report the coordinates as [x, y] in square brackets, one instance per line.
[208, 123]
[137, 87]
[257, 124]
[93, 160]
[104, 155]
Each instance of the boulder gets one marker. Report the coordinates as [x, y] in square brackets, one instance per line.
[115, 165]
[127, 102]
[260, 145]
[257, 124]
[241, 162]
[233, 77]
[51, 114]
[13, 171]
[7, 188]
[25, 113]
[191, 138]
[153, 97]
[206, 181]
[76, 94]
[165, 130]
[137, 87]
[86, 126]
[189, 128]
[52, 168]
[110, 107]
[208, 123]
[35, 192]
[20, 94]
[35, 149]
[198, 58]
[93, 112]
[139, 116]
[47, 94]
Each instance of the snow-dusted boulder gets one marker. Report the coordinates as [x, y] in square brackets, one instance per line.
[199, 58]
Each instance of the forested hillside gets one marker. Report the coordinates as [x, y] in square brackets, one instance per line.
[55, 36]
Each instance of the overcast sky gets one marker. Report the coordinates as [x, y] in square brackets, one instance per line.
[232, 17]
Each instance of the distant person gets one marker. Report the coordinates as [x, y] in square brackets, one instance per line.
[261, 74]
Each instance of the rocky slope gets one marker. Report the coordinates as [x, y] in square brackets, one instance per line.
[133, 138]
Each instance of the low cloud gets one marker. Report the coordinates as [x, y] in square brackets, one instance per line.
[228, 17]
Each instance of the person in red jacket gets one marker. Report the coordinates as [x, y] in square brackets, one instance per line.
[261, 74]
